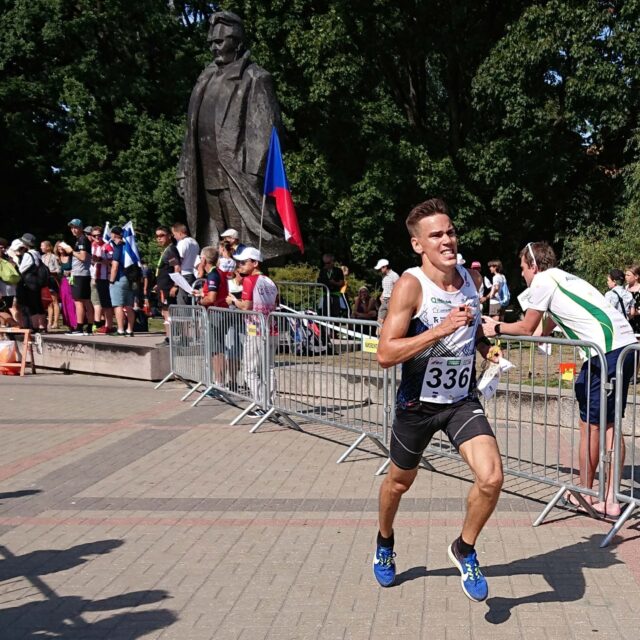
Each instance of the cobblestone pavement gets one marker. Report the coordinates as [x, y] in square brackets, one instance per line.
[125, 513]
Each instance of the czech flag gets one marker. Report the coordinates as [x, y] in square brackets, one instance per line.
[276, 186]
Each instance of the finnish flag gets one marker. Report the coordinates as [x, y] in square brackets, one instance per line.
[131, 254]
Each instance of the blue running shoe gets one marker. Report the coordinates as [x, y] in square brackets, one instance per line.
[473, 582]
[384, 566]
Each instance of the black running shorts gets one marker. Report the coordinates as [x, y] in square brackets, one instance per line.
[414, 427]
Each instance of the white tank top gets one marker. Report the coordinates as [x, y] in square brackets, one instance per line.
[444, 372]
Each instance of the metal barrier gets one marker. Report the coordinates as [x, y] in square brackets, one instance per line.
[188, 347]
[326, 371]
[626, 485]
[303, 296]
[237, 362]
[535, 417]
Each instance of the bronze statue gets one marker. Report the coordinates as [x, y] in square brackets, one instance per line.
[232, 110]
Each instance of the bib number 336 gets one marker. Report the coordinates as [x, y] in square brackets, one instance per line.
[446, 378]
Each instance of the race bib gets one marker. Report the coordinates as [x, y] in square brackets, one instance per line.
[447, 379]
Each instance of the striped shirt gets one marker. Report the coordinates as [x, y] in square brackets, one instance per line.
[387, 284]
[99, 270]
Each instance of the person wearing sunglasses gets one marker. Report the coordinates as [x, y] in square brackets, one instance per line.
[259, 294]
[583, 313]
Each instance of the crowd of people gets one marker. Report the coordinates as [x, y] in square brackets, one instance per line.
[90, 287]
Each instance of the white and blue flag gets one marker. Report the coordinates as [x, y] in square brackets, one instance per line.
[106, 234]
[131, 254]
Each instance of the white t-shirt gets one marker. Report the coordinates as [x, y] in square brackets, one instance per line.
[579, 309]
[189, 250]
[498, 279]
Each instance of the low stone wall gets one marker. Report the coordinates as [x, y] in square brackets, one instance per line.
[137, 358]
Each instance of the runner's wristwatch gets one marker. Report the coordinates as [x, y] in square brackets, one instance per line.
[497, 329]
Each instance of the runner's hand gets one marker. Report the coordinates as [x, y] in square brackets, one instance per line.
[461, 316]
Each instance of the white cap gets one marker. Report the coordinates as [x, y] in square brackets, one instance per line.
[460, 259]
[17, 244]
[230, 233]
[248, 253]
[381, 263]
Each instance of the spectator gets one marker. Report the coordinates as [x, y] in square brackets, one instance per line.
[495, 296]
[477, 277]
[226, 263]
[364, 306]
[147, 287]
[188, 249]
[344, 302]
[53, 264]
[332, 278]
[14, 254]
[64, 259]
[235, 334]
[214, 293]
[29, 290]
[389, 279]
[260, 294]
[617, 296]
[101, 254]
[581, 311]
[632, 276]
[232, 236]
[120, 292]
[8, 281]
[81, 279]
[67, 303]
[169, 263]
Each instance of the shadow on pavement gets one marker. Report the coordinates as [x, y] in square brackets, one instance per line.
[39, 563]
[52, 615]
[19, 494]
[61, 617]
[562, 569]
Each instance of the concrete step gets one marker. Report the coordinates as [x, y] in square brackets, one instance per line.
[139, 357]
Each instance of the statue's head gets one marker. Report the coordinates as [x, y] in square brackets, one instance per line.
[226, 37]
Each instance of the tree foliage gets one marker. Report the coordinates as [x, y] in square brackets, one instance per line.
[520, 114]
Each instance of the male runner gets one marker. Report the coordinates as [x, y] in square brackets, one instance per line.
[433, 329]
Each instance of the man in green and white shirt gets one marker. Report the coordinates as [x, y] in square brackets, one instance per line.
[583, 313]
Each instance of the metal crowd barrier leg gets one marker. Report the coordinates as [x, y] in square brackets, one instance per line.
[325, 371]
[535, 419]
[630, 494]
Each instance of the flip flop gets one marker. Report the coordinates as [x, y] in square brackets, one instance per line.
[604, 514]
[567, 503]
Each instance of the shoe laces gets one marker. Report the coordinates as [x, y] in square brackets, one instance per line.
[385, 556]
[472, 567]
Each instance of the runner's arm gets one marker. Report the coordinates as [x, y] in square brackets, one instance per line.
[394, 346]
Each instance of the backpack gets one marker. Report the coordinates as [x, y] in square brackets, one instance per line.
[133, 274]
[8, 273]
[38, 271]
[504, 295]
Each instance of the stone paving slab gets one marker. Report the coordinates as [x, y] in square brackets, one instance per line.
[125, 514]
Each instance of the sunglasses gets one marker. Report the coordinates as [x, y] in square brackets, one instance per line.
[96, 235]
[160, 235]
[535, 264]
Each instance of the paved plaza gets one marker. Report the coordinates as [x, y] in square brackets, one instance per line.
[125, 514]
